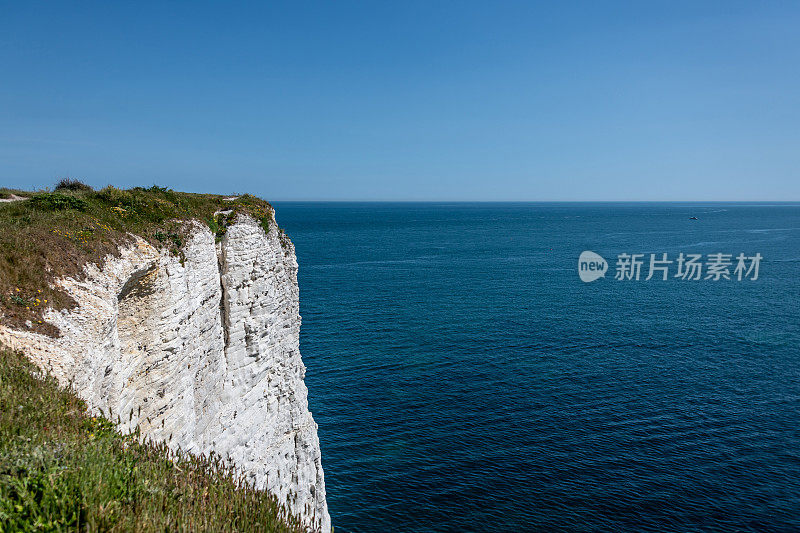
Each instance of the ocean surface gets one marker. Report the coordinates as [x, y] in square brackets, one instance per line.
[464, 378]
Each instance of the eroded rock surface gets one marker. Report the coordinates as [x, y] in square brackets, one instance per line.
[202, 353]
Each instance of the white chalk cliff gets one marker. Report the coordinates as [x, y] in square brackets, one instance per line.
[202, 353]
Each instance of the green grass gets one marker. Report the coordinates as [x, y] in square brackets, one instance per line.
[62, 470]
[54, 234]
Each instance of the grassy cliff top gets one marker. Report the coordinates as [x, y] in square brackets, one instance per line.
[47, 235]
[64, 470]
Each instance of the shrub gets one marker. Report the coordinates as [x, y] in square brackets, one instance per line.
[57, 202]
[114, 197]
[69, 184]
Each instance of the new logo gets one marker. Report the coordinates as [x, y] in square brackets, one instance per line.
[591, 266]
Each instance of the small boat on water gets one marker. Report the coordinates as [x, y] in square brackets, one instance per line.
[692, 218]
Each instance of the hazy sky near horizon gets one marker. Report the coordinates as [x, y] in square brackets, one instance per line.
[406, 100]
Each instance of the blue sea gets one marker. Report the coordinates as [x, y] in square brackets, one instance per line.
[464, 378]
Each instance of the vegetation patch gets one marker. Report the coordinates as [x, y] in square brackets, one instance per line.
[69, 184]
[63, 470]
[54, 234]
[56, 201]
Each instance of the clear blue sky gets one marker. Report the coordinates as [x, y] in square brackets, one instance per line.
[406, 100]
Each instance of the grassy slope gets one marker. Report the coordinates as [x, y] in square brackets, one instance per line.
[61, 470]
[55, 234]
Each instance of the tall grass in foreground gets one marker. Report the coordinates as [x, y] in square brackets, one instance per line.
[63, 470]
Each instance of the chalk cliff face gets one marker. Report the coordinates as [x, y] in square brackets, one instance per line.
[200, 352]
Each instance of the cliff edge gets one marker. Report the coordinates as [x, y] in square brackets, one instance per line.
[196, 344]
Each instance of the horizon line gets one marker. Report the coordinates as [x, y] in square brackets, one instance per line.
[363, 201]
